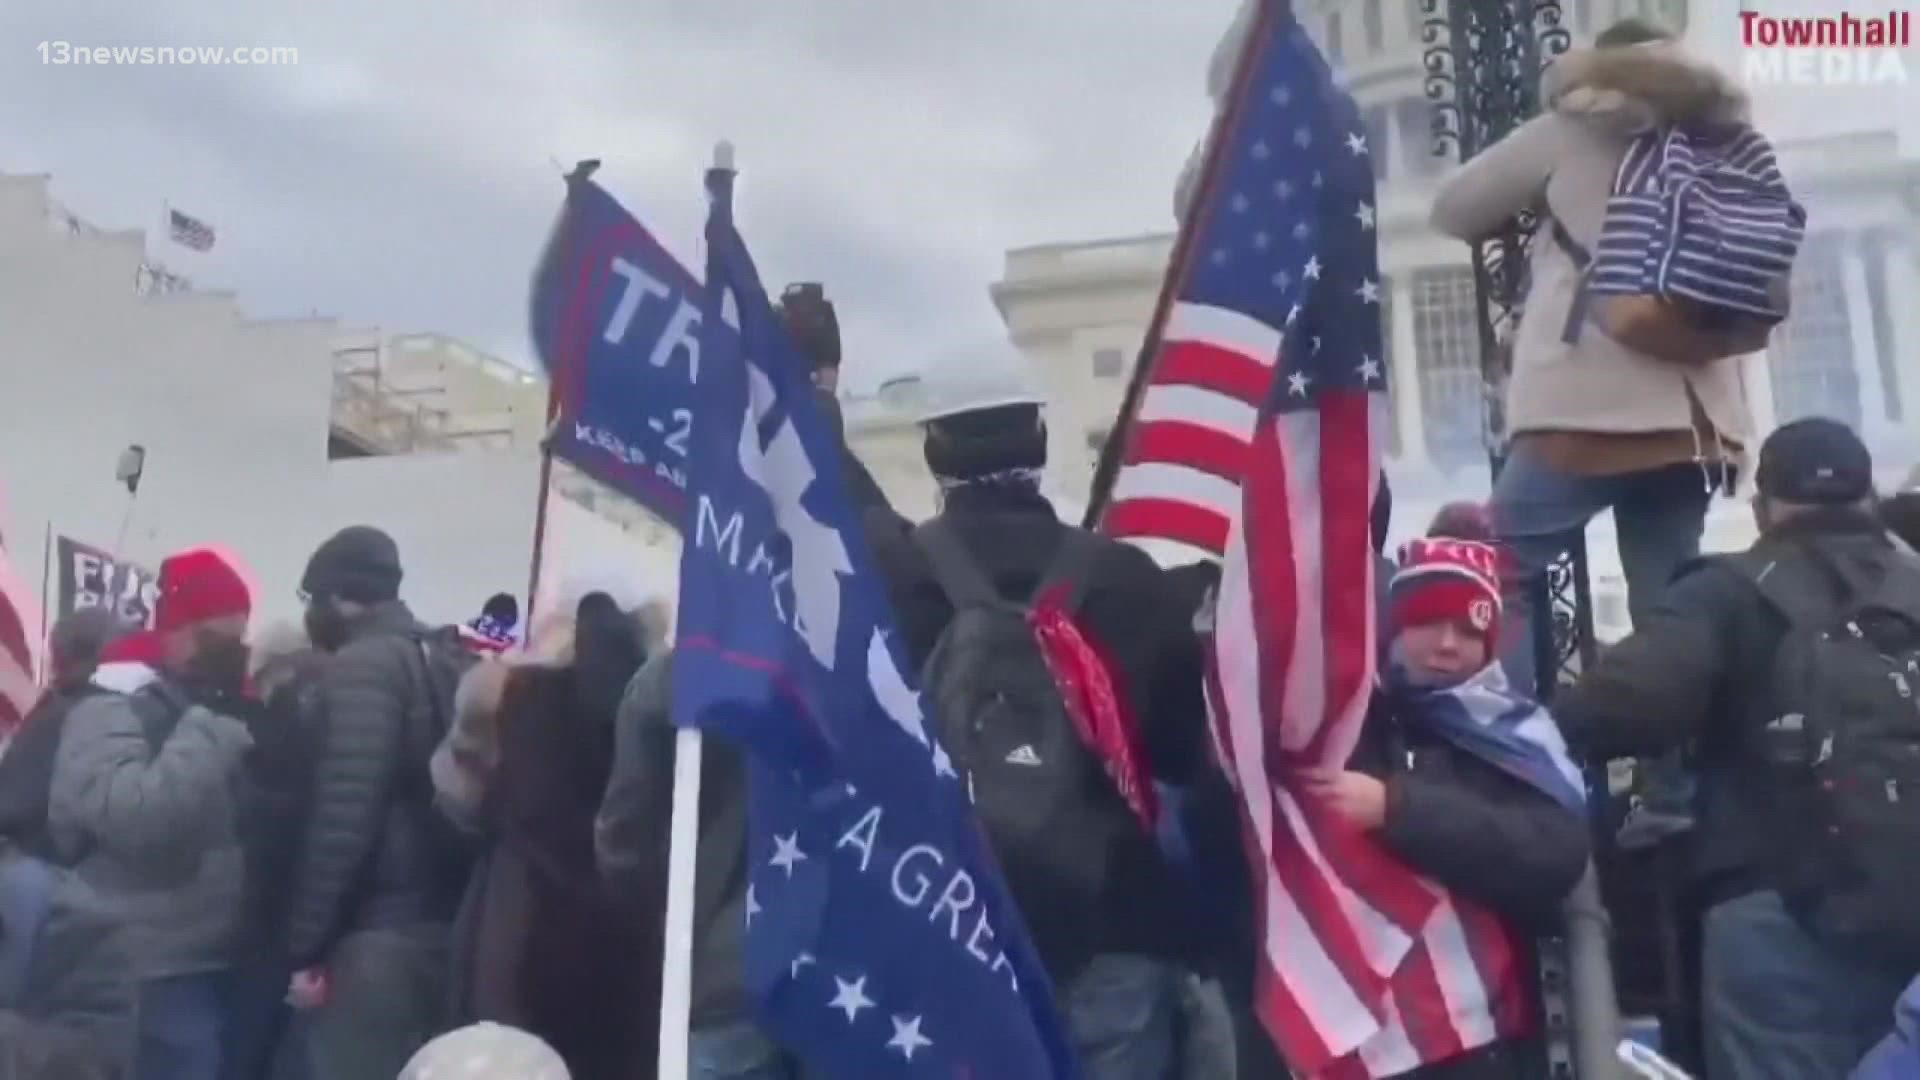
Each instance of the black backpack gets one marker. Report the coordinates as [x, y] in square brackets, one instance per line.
[1840, 745]
[438, 661]
[1053, 817]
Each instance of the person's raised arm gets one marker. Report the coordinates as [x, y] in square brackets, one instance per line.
[1499, 182]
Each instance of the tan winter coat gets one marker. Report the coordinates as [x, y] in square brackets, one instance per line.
[1563, 162]
[465, 761]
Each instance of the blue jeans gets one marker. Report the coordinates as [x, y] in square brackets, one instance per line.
[258, 1021]
[738, 1051]
[182, 1023]
[26, 891]
[1123, 1014]
[1658, 516]
[1778, 1004]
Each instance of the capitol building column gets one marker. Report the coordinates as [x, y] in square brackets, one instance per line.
[1874, 425]
[1405, 384]
[1903, 286]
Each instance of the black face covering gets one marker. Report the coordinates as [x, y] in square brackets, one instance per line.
[326, 627]
[219, 663]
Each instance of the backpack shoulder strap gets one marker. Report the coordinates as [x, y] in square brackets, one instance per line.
[954, 567]
[1798, 582]
[1582, 259]
[1072, 566]
[1576, 252]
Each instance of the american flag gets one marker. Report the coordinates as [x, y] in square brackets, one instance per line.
[18, 690]
[1278, 181]
[189, 231]
[1258, 438]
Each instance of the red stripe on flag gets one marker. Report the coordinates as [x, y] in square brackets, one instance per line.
[1216, 368]
[1497, 957]
[1312, 893]
[1174, 442]
[1373, 873]
[17, 688]
[1187, 523]
[1293, 1033]
[1348, 470]
[1270, 577]
[1423, 1007]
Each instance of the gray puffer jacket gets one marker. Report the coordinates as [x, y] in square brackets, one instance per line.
[75, 1017]
[370, 859]
[631, 841]
[142, 809]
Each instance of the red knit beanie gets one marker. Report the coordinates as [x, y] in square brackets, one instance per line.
[1446, 580]
[199, 585]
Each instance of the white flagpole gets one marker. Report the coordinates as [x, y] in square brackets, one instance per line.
[676, 968]
[676, 971]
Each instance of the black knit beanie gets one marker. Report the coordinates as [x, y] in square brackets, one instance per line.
[359, 563]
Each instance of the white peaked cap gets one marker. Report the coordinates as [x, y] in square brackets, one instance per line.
[486, 1051]
[988, 379]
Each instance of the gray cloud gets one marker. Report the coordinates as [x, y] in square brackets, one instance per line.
[400, 174]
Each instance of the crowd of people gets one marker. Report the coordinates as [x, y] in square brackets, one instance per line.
[369, 847]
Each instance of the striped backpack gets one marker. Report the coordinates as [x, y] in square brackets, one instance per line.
[1696, 252]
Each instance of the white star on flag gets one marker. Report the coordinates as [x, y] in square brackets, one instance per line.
[1240, 204]
[1297, 384]
[753, 906]
[1369, 368]
[1313, 268]
[1260, 151]
[1369, 292]
[1302, 138]
[804, 960]
[907, 1037]
[786, 853]
[1281, 96]
[1260, 241]
[1365, 214]
[1283, 189]
[851, 997]
[1357, 143]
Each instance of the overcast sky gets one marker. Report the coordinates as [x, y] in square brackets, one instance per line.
[399, 175]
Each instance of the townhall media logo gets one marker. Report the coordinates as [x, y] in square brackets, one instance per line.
[1846, 48]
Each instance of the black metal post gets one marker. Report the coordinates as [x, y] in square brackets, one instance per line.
[1483, 60]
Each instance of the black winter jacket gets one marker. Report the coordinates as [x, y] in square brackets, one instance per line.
[276, 791]
[1484, 835]
[1135, 612]
[1470, 826]
[631, 838]
[1692, 675]
[369, 857]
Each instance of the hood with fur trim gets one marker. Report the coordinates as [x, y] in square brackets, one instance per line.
[1636, 87]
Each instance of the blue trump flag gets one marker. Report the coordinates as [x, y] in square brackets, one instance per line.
[616, 323]
[880, 940]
